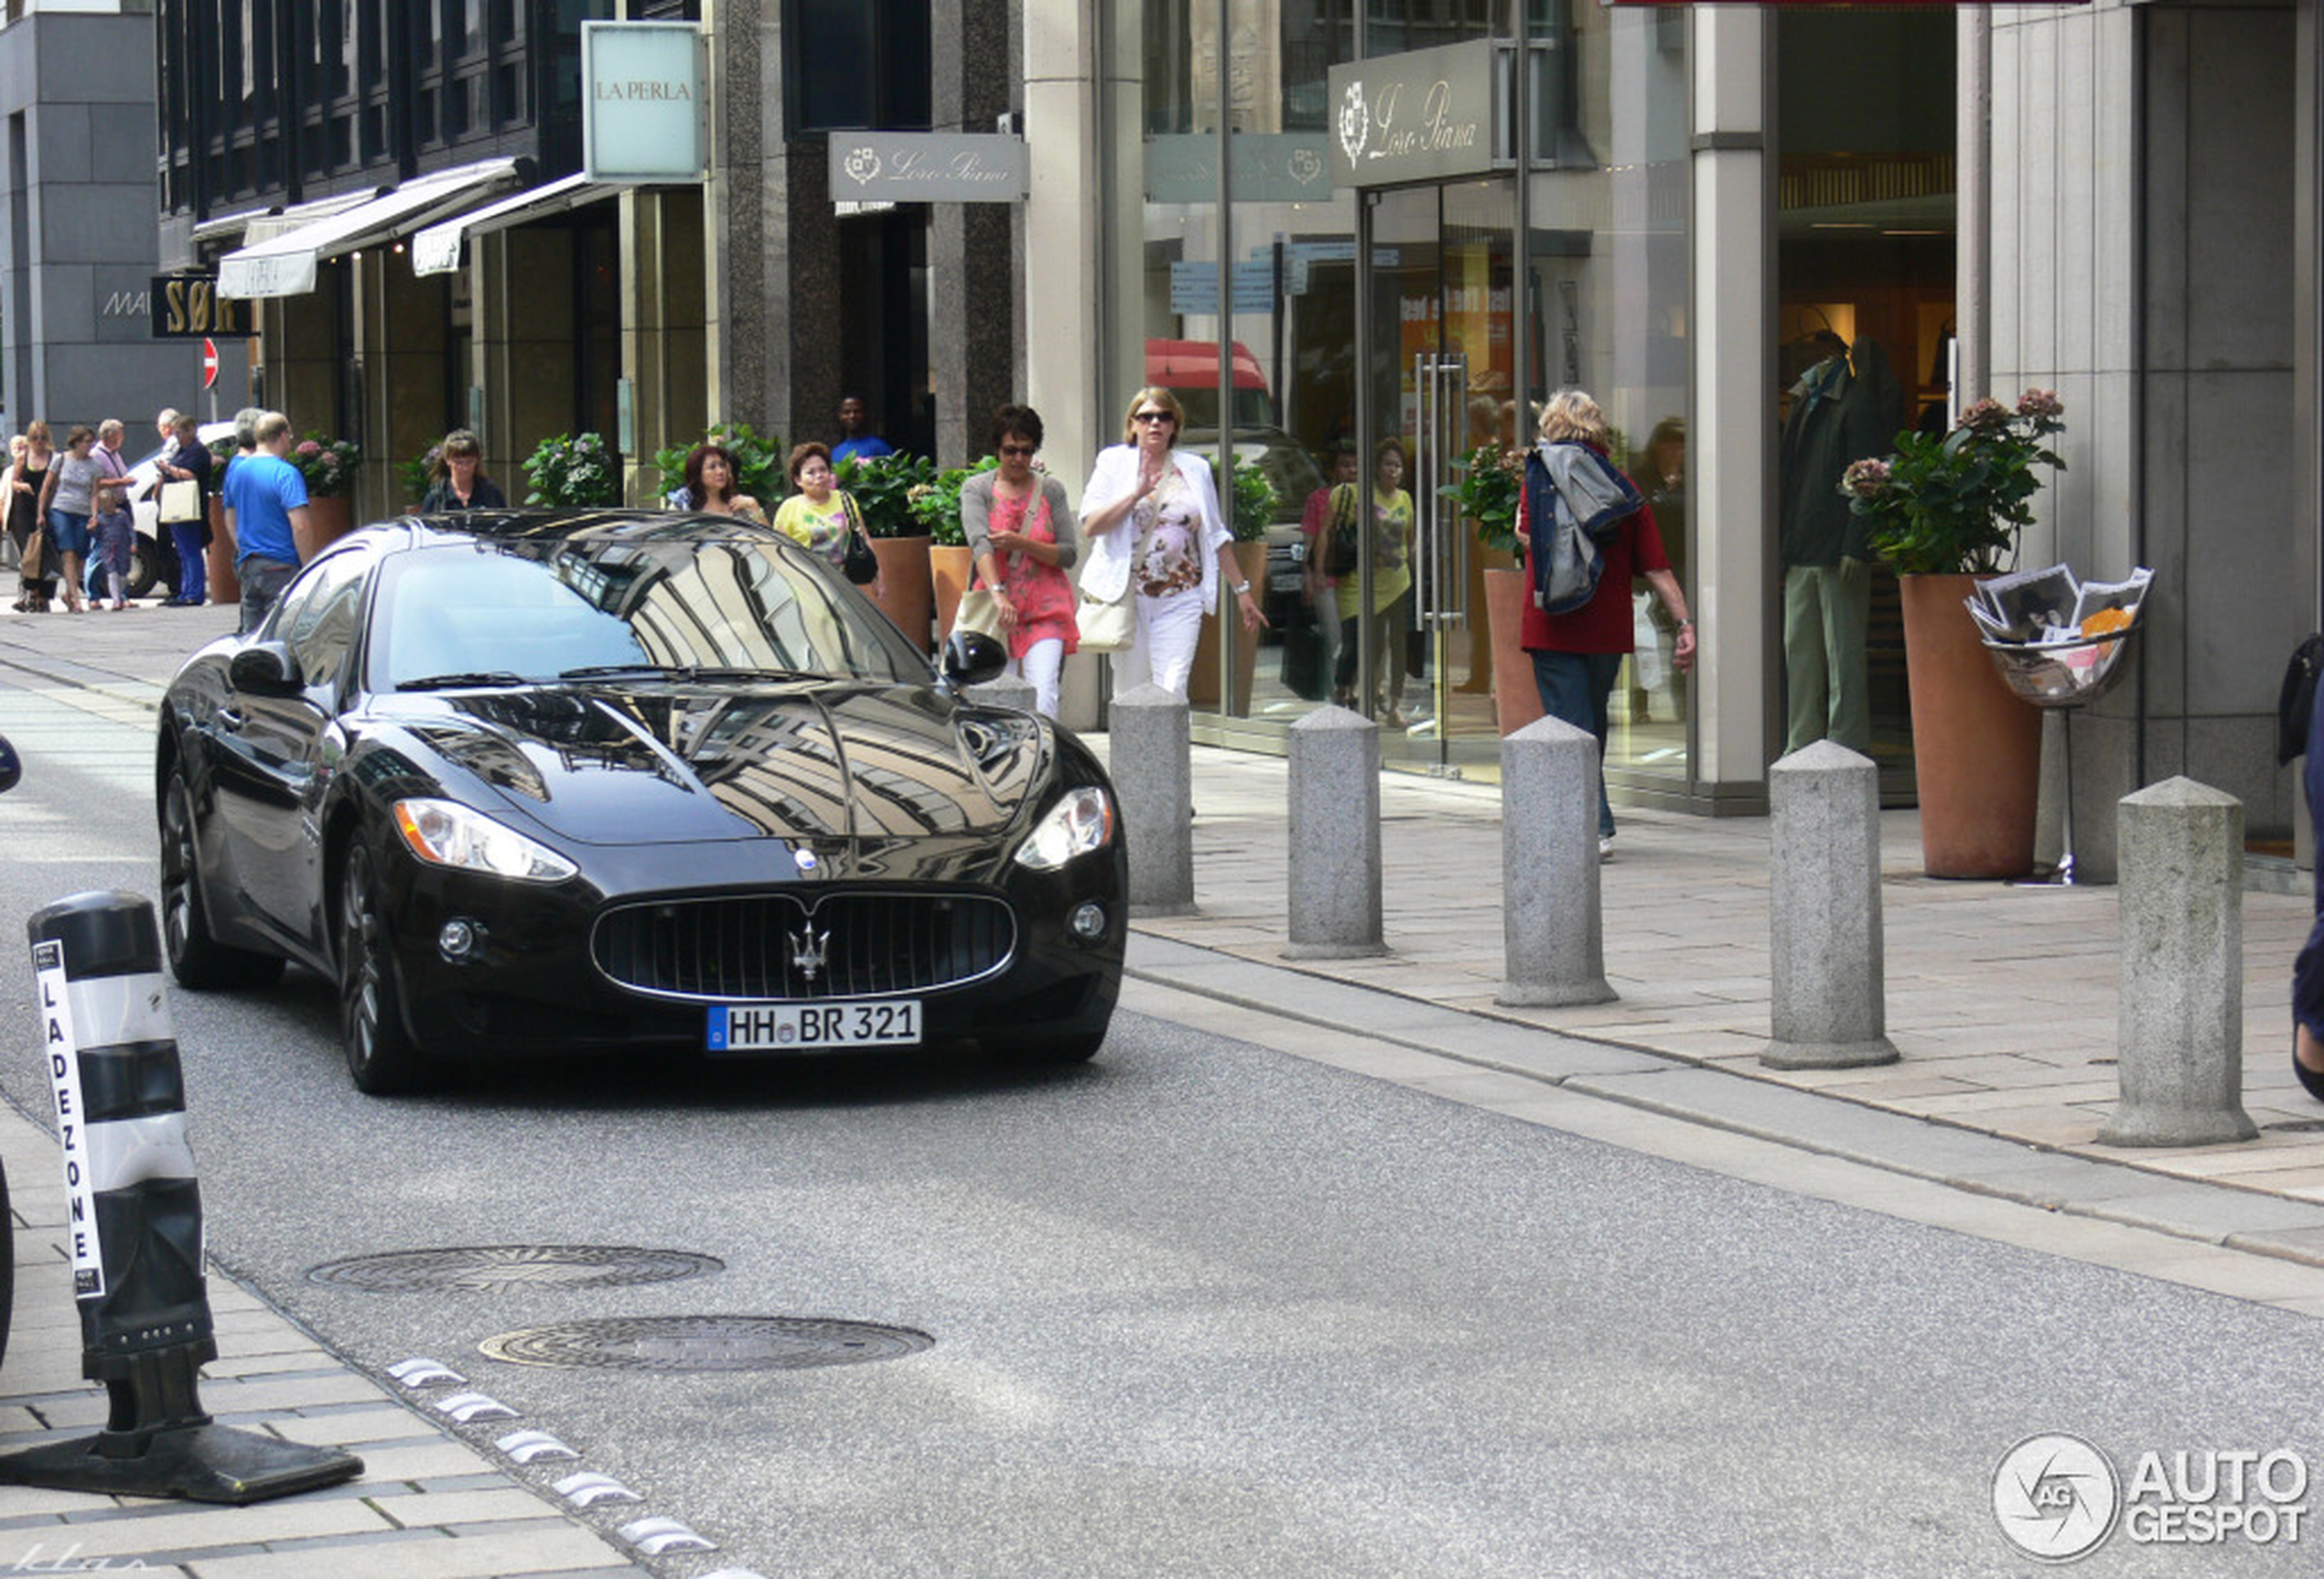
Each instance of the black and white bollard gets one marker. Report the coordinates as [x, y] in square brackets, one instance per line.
[133, 1227]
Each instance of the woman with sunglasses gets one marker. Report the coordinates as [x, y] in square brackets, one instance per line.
[1021, 534]
[1151, 514]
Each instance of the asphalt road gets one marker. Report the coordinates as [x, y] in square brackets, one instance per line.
[1198, 1308]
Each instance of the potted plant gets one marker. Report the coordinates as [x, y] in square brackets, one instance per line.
[1249, 500]
[419, 475]
[573, 469]
[935, 506]
[882, 486]
[1945, 509]
[1488, 480]
[328, 464]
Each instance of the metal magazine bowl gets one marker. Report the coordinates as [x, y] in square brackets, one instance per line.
[2064, 673]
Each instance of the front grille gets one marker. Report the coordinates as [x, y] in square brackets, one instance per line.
[766, 946]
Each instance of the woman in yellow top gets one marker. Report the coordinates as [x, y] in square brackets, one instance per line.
[1391, 582]
[820, 516]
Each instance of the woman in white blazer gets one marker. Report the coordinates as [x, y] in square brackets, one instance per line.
[1151, 515]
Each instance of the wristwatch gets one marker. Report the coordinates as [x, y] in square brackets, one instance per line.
[1240, 587]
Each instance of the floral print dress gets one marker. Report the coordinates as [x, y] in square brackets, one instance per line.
[1043, 597]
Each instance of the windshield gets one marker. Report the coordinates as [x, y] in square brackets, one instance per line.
[662, 604]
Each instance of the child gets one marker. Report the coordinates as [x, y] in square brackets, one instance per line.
[113, 529]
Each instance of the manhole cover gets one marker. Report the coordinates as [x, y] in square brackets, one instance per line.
[504, 1266]
[704, 1343]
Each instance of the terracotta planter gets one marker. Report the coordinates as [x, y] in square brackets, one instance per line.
[328, 520]
[949, 572]
[906, 594]
[225, 586]
[1517, 701]
[1976, 750]
[1202, 679]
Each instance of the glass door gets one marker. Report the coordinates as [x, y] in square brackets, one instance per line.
[1443, 334]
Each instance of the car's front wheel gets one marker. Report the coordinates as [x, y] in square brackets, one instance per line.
[199, 960]
[382, 1057]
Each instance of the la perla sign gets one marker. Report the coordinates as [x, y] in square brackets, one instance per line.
[643, 118]
[1424, 115]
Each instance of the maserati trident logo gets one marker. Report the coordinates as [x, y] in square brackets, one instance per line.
[810, 951]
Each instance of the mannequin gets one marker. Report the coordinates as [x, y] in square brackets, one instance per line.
[1846, 406]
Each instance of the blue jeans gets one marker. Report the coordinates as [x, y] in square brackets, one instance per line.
[1575, 687]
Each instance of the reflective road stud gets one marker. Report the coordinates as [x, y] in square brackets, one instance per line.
[133, 1227]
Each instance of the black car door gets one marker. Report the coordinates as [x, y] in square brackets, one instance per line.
[277, 753]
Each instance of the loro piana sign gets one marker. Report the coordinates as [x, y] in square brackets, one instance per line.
[1420, 116]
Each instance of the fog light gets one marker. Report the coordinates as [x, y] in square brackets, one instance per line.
[1088, 921]
[458, 941]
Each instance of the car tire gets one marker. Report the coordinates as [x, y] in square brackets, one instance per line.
[198, 960]
[150, 565]
[382, 1057]
[7, 1266]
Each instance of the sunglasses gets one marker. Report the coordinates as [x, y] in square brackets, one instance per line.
[1015, 449]
[1150, 416]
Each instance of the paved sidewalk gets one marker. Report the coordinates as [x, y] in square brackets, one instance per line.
[2002, 1001]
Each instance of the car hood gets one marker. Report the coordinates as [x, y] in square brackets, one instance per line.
[667, 764]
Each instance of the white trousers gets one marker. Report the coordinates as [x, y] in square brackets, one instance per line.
[1041, 664]
[1163, 651]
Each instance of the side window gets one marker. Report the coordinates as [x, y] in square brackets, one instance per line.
[320, 626]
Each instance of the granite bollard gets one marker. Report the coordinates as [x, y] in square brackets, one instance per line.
[1008, 690]
[1828, 994]
[2180, 846]
[1335, 837]
[1152, 765]
[1553, 931]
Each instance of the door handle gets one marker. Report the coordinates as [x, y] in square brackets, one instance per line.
[230, 718]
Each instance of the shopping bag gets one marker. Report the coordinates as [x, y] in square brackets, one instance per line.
[1647, 668]
[181, 500]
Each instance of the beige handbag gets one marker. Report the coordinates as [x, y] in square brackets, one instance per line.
[978, 612]
[1107, 627]
[181, 500]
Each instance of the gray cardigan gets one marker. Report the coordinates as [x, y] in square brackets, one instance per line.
[976, 513]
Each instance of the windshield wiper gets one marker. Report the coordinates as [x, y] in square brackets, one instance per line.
[455, 681]
[685, 671]
[609, 670]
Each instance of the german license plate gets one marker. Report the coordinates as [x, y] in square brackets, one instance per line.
[840, 1023]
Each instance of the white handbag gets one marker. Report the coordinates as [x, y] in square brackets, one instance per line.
[1107, 627]
[179, 501]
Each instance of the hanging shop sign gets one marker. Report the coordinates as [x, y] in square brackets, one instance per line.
[929, 167]
[189, 307]
[1425, 115]
[1269, 167]
[645, 108]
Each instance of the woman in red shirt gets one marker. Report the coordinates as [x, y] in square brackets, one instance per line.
[1578, 656]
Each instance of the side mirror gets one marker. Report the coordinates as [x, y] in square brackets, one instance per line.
[264, 668]
[11, 767]
[971, 658]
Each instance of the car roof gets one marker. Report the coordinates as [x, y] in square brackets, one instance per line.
[625, 523]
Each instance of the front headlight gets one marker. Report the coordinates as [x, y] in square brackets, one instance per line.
[445, 834]
[1081, 821]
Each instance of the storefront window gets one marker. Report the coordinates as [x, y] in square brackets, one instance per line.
[1439, 308]
[1864, 269]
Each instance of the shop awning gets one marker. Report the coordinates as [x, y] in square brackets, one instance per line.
[437, 250]
[285, 264]
[251, 226]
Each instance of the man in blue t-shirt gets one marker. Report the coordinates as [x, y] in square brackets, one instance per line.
[856, 441]
[265, 498]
